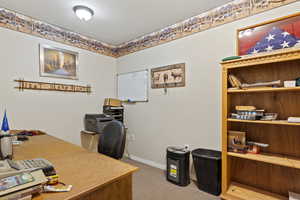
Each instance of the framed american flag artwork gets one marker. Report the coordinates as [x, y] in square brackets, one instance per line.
[273, 35]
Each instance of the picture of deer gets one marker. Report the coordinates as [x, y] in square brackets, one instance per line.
[176, 74]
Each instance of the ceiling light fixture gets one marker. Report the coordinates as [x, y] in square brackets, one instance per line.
[83, 13]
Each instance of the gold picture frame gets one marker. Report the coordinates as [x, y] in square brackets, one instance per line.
[58, 63]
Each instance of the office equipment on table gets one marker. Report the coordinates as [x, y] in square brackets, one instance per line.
[112, 102]
[38, 178]
[96, 122]
[93, 176]
[116, 112]
[10, 167]
[133, 86]
[178, 165]
[90, 140]
[112, 141]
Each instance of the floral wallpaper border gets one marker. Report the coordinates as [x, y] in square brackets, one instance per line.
[229, 12]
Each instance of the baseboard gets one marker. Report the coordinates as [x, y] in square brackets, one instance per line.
[147, 162]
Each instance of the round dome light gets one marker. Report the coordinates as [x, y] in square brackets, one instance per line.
[83, 13]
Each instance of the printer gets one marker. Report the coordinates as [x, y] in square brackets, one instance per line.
[96, 122]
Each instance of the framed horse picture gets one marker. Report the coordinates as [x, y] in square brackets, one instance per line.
[168, 76]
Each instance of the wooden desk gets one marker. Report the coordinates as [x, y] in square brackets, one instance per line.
[93, 176]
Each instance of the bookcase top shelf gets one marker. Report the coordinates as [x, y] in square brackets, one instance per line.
[263, 58]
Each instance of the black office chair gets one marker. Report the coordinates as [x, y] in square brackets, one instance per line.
[112, 141]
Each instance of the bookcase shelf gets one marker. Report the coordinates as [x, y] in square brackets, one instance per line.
[276, 159]
[276, 171]
[264, 89]
[239, 191]
[275, 122]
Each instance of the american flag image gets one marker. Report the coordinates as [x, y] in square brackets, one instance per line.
[270, 37]
[275, 39]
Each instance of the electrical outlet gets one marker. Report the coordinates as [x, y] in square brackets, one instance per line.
[131, 137]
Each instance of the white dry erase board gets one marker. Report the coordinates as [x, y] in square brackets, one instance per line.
[133, 86]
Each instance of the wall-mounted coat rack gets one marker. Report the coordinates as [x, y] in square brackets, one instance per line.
[34, 85]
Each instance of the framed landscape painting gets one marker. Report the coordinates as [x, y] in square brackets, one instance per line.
[58, 63]
[273, 35]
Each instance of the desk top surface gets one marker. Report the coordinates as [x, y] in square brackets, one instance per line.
[86, 171]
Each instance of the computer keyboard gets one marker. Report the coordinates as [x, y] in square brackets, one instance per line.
[27, 164]
[33, 164]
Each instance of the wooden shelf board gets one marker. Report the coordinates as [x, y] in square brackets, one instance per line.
[263, 89]
[275, 122]
[276, 159]
[244, 192]
[229, 197]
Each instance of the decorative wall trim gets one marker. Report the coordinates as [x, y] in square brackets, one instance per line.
[18, 22]
[35, 85]
[229, 12]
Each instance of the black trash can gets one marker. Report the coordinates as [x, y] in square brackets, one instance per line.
[207, 165]
[178, 166]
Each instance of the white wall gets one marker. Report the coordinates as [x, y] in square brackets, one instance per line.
[189, 115]
[57, 113]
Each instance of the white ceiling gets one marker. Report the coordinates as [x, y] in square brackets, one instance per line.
[115, 21]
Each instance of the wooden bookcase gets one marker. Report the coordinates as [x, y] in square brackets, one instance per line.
[276, 171]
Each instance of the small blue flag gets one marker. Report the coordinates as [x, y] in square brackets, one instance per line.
[5, 126]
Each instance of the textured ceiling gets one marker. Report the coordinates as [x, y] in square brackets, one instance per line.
[115, 21]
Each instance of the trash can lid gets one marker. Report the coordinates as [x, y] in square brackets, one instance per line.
[178, 149]
[207, 153]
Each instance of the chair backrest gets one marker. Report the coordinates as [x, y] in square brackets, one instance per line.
[112, 140]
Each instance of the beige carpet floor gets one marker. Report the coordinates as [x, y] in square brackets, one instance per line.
[150, 184]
